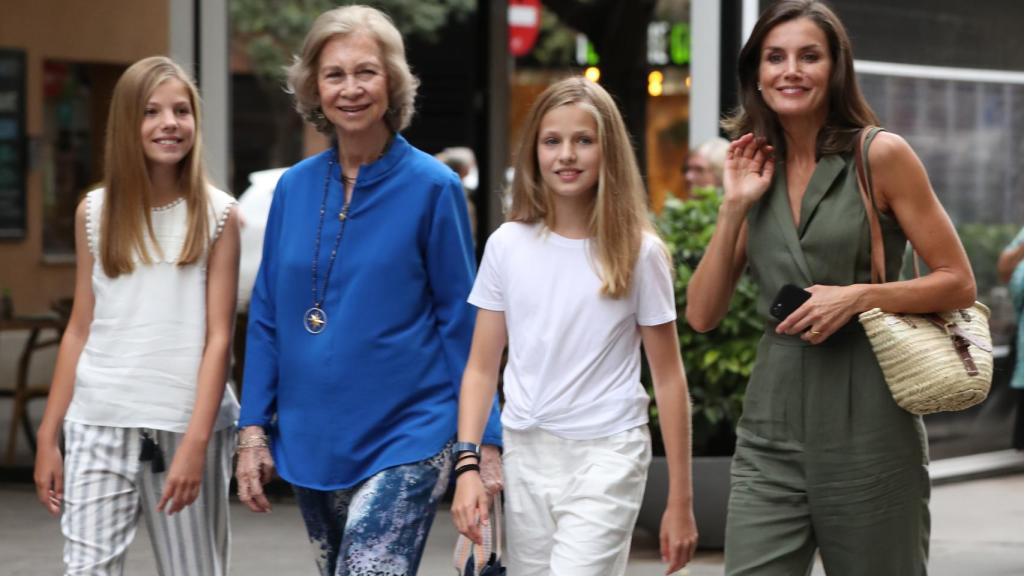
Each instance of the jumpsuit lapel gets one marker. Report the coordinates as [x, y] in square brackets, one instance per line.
[779, 202]
[825, 173]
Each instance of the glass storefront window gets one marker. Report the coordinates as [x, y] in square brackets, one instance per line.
[76, 97]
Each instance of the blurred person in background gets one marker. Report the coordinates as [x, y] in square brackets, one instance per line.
[704, 165]
[1011, 271]
[253, 208]
[462, 161]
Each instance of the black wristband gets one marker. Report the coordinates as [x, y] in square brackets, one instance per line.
[466, 468]
[466, 456]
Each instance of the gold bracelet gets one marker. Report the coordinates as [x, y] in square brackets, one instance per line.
[253, 442]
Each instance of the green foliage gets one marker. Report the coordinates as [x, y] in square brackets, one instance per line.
[556, 42]
[273, 30]
[983, 243]
[718, 363]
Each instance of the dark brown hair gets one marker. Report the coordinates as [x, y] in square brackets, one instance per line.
[848, 111]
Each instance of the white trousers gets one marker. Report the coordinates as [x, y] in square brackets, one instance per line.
[106, 488]
[570, 505]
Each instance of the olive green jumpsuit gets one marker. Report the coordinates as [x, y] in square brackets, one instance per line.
[825, 458]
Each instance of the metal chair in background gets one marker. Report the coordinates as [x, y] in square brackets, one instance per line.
[36, 324]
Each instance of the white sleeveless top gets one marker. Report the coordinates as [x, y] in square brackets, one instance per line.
[140, 364]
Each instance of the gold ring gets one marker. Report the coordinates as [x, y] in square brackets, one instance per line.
[814, 332]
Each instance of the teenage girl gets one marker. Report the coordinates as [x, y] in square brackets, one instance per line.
[574, 283]
[139, 385]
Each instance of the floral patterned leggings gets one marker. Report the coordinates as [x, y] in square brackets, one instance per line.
[378, 527]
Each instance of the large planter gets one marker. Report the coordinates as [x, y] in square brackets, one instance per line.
[710, 497]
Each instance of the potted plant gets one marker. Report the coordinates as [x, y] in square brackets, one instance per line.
[718, 364]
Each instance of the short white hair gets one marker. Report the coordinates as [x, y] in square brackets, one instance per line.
[343, 21]
[714, 151]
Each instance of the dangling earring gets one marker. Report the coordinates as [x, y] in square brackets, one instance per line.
[317, 119]
[391, 118]
[758, 86]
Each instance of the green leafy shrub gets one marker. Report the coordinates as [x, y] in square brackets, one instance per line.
[983, 242]
[718, 363]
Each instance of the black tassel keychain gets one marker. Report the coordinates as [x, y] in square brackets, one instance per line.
[151, 452]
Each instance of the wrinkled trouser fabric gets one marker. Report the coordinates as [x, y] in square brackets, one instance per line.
[570, 505]
[826, 461]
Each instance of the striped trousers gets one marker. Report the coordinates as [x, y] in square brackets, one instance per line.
[107, 488]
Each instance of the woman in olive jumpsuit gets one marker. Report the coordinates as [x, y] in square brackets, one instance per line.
[825, 459]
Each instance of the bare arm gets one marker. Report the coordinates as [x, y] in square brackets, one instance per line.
[479, 382]
[678, 527]
[714, 281]
[902, 188]
[185, 474]
[49, 464]
[749, 169]
[1009, 258]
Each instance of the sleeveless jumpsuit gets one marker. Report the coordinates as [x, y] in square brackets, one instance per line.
[825, 459]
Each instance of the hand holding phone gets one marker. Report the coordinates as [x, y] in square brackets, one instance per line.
[789, 298]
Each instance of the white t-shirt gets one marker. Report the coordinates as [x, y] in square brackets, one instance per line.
[574, 354]
[140, 364]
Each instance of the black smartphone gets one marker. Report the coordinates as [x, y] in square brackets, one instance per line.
[788, 299]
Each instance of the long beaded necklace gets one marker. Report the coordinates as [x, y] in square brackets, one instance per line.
[315, 319]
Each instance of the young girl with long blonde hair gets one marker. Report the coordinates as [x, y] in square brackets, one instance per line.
[574, 282]
[139, 385]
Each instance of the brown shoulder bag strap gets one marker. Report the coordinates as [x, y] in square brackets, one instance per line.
[868, 196]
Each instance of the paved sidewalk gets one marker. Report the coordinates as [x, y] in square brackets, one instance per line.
[977, 528]
[977, 531]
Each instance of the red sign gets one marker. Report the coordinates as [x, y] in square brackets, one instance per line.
[523, 25]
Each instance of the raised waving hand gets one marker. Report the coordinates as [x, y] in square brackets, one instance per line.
[749, 167]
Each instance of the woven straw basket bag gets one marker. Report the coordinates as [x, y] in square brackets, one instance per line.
[929, 367]
[932, 362]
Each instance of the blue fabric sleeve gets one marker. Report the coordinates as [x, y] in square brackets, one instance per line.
[260, 378]
[450, 267]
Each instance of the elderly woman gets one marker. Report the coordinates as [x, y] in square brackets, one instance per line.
[704, 166]
[359, 328]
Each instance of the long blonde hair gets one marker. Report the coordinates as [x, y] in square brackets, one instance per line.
[128, 197]
[618, 214]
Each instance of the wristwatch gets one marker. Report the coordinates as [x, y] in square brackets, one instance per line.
[460, 447]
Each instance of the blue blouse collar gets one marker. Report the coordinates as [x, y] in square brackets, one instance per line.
[378, 169]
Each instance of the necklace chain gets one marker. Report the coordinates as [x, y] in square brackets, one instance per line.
[320, 296]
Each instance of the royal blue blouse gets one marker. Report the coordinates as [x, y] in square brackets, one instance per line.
[379, 386]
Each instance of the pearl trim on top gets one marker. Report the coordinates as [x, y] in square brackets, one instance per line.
[90, 224]
[169, 205]
[168, 246]
[221, 220]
